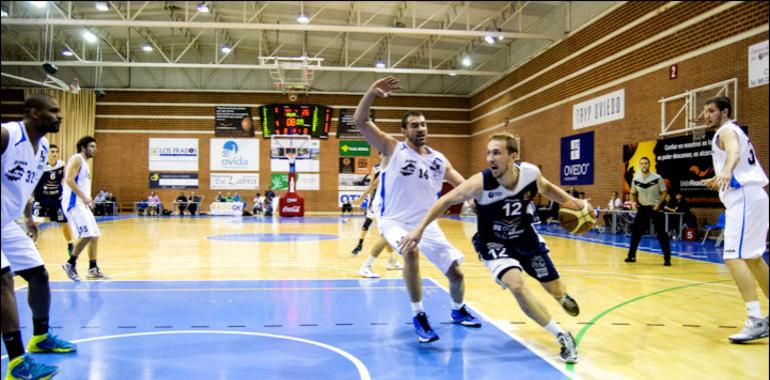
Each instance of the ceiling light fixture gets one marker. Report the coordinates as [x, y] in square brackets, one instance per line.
[452, 74]
[90, 37]
[102, 6]
[4, 13]
[147, 47]
[226, 49]
[490, 39]
[39, 4]
[67, 53]
[203, 7]
[379, 64]
[500, 37]
[302, 18]
[467, 61]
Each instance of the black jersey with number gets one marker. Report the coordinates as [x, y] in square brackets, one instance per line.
[505, 216]
[49, 189]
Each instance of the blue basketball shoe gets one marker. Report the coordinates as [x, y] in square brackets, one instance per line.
[26, 368]
[463, 317]
[425, 333]
[49, 342]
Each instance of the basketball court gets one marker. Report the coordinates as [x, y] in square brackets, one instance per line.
[280, 298]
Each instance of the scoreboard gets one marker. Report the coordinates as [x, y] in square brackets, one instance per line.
[295, 119]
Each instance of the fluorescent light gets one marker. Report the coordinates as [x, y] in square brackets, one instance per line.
[380, 65]
[452, 74]
[67, 53]
[203, 8]
[490, 39]
[90, 37]
[39, 4]
[4, 13]
[102, 6]
[226, 49]
[467, 61]
[147, 47]
[302, 19]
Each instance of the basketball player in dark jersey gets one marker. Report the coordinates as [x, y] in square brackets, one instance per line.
[506, 241]
[48, 193]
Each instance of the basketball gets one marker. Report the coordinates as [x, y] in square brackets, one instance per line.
[576, 220]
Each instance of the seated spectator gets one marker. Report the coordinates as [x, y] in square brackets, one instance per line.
[153, 204]
[236, 198]
[347, 206]
[548, 212]
[181, 203]
[99, 203]
[219, 197]
[684, 207]
[259, 202]
[626, 202]
[193, 202]
[113, 204]
[614, 204]
[229, 197]
[268, 207]
[269, 194]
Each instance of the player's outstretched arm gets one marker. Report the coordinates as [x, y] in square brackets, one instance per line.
[558, 195]
[372, 186]
[376, 137]
[469, 189]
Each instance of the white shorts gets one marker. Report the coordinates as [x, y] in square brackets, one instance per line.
[82, 221]
[499, 266]
[18, 249]
[433, 245]
[746, 222]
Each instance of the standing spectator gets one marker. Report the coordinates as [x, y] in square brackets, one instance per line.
[259, 202]
[181, 203]
[650, 191]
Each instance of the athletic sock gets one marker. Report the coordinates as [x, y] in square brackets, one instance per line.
[553, 328]
[369, 261]
[13, 344]
[39, 326]
[457, 306]
[417, 308]
[360, 243]
[70, 246]
[73, 260]
[754, 309]
[91, 264]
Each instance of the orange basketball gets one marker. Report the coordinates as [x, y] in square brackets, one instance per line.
[576, 220]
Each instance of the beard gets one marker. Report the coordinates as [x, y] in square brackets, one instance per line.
[418, 141]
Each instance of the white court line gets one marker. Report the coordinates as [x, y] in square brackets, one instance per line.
[128, 290]
[557, 365]
[590, 272]
[363, 372]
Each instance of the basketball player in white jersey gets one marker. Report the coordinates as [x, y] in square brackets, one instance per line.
[506, 238]
[24, 154]
[373, 206]
[410, 181]
[78, 206]
[740, 180]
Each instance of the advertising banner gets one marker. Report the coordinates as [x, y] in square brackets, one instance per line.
[577, 159]
[682, 162]
[353, 148]
[350, 196]
[234, 154]
[758, 64]
[226, 208]
[234, 181]
[233, 121]
[346, 127]
[599, 110]
[173, 155]
[305, 181]
[173, 180]
[357, 165]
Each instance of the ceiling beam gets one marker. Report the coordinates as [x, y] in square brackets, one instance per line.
[246, 67]
[281, 27]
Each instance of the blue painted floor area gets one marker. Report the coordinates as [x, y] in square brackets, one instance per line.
[694, 250]
[303, 329]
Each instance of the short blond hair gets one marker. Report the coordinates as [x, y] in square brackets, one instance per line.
[510, 141]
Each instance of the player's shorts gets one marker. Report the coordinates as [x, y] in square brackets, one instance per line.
[18, 249]
[499, 258]
[433, 245]
[53, 212]
[82, 221]
[746, 222]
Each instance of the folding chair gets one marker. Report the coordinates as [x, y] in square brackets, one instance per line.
[720, 225]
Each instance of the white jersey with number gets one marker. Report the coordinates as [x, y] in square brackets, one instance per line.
[410, 184]
[748, 171]
[83, 180]
[22, 168]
